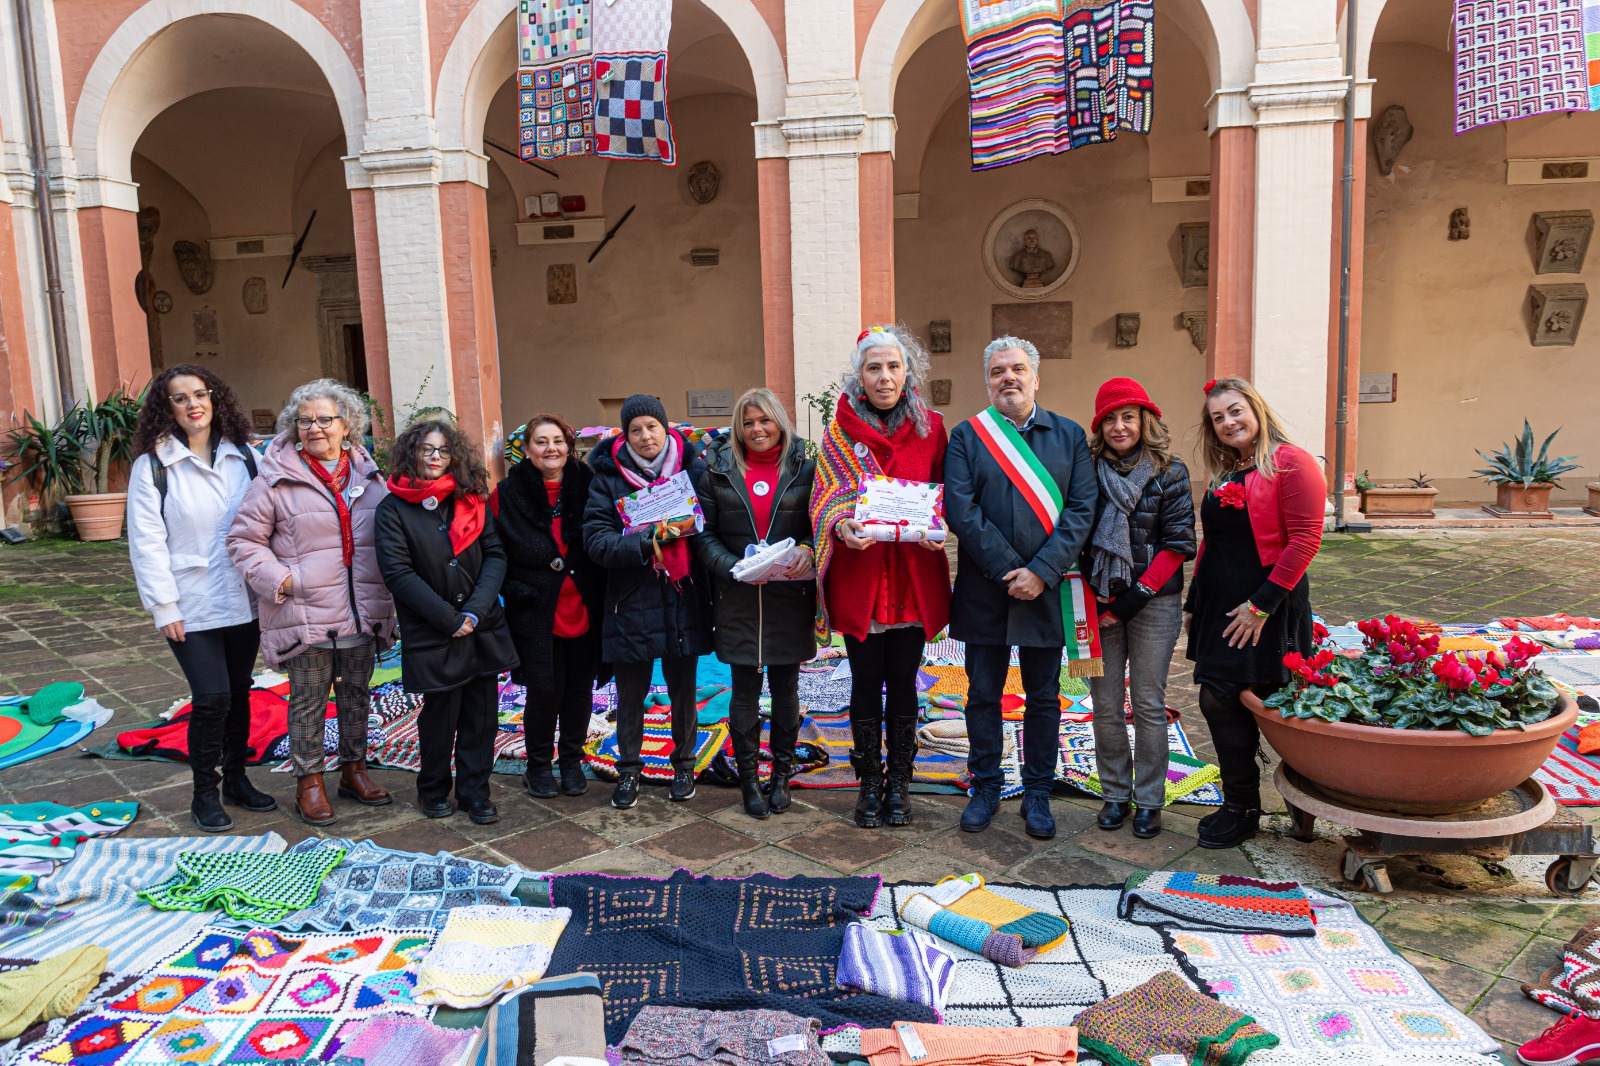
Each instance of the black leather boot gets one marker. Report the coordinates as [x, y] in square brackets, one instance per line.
[897, 786]
[238, 791]
[867, 760]
[778, 795]
[1233, 825]
[208, 715]
[755, 804]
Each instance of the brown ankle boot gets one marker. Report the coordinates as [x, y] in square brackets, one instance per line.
[355, 784]
[311, 801]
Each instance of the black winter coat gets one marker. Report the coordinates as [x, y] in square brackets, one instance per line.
[757, 624]
[1162, 520]
[532, 587]
[433, 589]
[645, 616]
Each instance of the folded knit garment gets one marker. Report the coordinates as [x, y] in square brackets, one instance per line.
[390, 1040]
[900, 964]
[258, 888]
[485, 952]
[1217, 903]
[557, 1020]
[962, 911]
[970, 1046]
[1573, 984]
[1164, 1016]
[53, 988]
[671, 1036]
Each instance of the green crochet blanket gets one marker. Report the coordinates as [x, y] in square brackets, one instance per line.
[257, 888]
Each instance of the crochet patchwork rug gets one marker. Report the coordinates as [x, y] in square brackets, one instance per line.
[1518, 58]
[600, 755]
[1572, 779]
[719, 943]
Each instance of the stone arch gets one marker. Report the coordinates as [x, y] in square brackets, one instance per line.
[1367, 20]
[483, 55]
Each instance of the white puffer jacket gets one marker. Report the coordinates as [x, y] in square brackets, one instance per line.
[180, 559]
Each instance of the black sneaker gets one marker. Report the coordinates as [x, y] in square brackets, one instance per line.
[207, 812]
[573, 782]
[238, 791]
[682, 786]
[626, 794]
[540, 784]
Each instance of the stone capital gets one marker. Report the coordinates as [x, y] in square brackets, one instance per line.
[1298, 102]
[842, 133]
[101, 191]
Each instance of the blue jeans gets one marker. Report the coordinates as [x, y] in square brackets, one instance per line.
[1041, 720]
[1142, 648]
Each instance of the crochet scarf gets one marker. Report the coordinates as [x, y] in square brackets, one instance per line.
[840, 471]
[336, 482]
[672, 556]
[466, 522]
[1111, 548]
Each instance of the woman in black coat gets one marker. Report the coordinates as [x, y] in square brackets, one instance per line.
[758, 492]
[442, 560]
[555, 599]
[656, 605]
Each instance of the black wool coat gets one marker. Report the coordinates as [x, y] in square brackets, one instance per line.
[1162, 520]
[532, 587]
[645, 616]
[997, 532]
[434, 589]
[757, 624]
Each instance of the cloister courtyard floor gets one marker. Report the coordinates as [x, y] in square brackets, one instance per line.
[70, 612]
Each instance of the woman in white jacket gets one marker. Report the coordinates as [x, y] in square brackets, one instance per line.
[192, 465]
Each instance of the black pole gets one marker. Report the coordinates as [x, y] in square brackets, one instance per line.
[1341, 421]
[44, 207]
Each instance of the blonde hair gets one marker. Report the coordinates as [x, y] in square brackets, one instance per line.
[767, 402]
[1154, 437]
[1221, 459]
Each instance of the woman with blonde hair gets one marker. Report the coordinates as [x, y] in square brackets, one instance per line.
[758, 492]
[1250, 601]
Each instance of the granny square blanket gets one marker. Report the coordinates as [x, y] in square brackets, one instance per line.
[758, 942]
[1219, 903]
[961, 910]
[261, 888]
[485, 952]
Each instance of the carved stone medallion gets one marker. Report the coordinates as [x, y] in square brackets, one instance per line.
[1391, 134]
[1031, 249]
[255, 296]
[194, 266]
[704, 182]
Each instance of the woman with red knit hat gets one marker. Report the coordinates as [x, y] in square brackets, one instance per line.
[1143, 532]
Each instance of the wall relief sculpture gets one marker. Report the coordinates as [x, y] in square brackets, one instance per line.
[1195, 323]
[1460, 225]
[255, 296]
[561, 283]
[939, 335]
[1391, 134]
[704, 182]
[1556, 314]
[194, 266]
[1030, 249]
[1194, 245]
[1128, 330]
[1563, 241]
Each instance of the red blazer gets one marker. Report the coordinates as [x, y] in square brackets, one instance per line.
[852, 575]
[1286, 514]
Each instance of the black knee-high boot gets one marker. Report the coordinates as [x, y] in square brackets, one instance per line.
[897, 787]
[867, 759]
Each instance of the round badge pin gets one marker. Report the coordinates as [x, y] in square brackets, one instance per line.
[431, 503]
[761, 488]
[861, 450]
[356, 492]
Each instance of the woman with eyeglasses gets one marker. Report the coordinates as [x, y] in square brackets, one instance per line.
[303, 539]
[192, 465]
[442, 560]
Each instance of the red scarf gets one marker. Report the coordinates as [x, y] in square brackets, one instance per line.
[672, 556]
[336, 483]
[465, 524]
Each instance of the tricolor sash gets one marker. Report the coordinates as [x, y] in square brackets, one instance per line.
[1080, 626]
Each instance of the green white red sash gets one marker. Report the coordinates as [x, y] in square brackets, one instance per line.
[1080, 626]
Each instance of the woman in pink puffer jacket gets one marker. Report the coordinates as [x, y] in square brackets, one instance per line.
[303, 540]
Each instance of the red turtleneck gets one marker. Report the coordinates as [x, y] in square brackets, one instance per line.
[761, 468]
[572, 618]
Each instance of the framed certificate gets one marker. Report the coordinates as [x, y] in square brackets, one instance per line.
[672, 500]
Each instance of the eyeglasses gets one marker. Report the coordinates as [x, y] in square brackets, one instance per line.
[178, 399]
[429, 451]
[323, 420]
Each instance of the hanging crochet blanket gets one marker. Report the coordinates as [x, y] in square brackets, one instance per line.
[263, 888]
[1572, 984]
[1518, 58]
[1218, 903]
[962, 911]
[900, 964]
[720, 944]
[1342, 991]
[1164, 1016]
[484, 952]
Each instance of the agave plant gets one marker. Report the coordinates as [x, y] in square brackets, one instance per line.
[51, 457]
[1516, 464]
[105, 432]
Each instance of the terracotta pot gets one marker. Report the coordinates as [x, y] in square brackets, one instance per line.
[1594, 498]
[98, 516]
[1422, 771]
[1516, 500]
[1398, 501]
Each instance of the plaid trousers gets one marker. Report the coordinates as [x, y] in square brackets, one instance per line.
[348, 670]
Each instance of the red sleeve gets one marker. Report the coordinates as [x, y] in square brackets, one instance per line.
[1161, 568]
[494, 500]
[1301, 493]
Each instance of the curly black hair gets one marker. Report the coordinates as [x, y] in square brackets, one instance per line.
[157, 418]
[466, 461]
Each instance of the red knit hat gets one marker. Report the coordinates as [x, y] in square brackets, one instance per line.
[1121, 392]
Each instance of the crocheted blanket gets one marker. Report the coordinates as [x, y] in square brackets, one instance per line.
[1189, 780]
[600, 754]
[961, 910]
[1164, 1016]
[263, 888]
[1573, 983]
[559, 1016]
[1218, 903]
[485, 952]
[719, 943]
[37, 837]
[670, 1036]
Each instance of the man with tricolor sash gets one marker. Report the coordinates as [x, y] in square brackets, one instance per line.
[1020, 494]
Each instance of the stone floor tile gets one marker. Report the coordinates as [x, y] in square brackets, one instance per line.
[839, 801]
[599, 795]
[75, 791]
[622, 861]
[770, 860]
[517, 815]
[1459, 984]
[995, 849]
[47, 770]
[1506, 1014]
[1523, 915]
[920, 865]
[1569, 919]
[550, 846]
[1157, 853]
[141, 775]
[651, 816]
[1068, 864]
[427, 835]
[845, 847]
[1541, 953]
[1221, 861]
[290, 828]
[1446, 933]
[799, 818]
[697, 845]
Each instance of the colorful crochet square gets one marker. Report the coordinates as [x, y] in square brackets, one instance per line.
[1519, 58]
[262, 888]
[1164, 1016]
[95, 1041]
[961, 910]
[556, 110]
[268, 950]
[1336, 1026]
[212, 953]
[486, 952]
[1225, 903]
[553, 29]
[279, 1040]
[236, 990]
[317, 991]
[1573, 983]
[194, 1040]
[630, 108]
[161, 995]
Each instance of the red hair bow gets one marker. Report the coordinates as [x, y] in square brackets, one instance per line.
[1205, 389]
[864, 334]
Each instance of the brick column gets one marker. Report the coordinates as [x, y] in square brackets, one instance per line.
[369, 282]
[16, 375]
[469, 295]
[1233, 207]
[118, 330]
[877, 237]
[777, 292]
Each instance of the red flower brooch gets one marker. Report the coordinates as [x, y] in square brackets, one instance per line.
[1206, 388]
[1232, 495]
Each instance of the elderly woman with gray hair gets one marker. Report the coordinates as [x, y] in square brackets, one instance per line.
[304, 539]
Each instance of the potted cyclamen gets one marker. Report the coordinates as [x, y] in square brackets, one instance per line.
[1411, 499]
[1522, 479]
[1402, 727]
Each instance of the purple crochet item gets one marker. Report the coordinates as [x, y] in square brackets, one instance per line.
[660, 1036]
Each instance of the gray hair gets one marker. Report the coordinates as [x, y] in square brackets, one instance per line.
[1001, 344]
[919, 370]
[352, 409]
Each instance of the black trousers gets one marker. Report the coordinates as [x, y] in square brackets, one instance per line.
[1236, 737]
[883, 685]
[744, 712]
[217, 663]
[567, 703]
[633, 685]
[463, 720]
[987, 667]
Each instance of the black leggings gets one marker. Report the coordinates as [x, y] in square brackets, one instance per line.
[217, 663]
[744, 712]
[885, 661]
[1237, 738]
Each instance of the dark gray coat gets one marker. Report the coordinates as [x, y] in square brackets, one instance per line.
[756, 624]
[997, 532]
[433, 589]
[645, 616]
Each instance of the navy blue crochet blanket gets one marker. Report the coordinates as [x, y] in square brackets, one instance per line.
[746, 943]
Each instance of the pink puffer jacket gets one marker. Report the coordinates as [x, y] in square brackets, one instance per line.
[288, 526]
